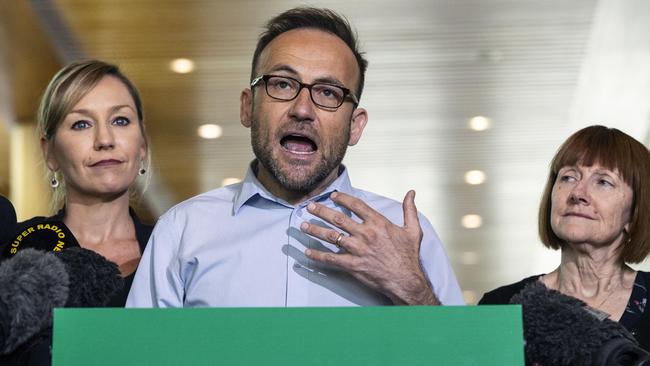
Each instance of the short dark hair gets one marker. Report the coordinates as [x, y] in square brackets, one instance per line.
[614, 150]
[308, 17]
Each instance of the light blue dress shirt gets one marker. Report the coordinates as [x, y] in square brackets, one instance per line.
[240, 246]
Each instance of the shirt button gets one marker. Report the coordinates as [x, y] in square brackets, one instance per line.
[297, 265]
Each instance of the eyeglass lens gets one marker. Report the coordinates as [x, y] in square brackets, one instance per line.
[325, 95]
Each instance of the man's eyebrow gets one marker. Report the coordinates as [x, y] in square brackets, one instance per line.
[330, 80]
[323, 79]
[283, 67]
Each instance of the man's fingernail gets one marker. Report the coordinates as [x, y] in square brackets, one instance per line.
[304, 226]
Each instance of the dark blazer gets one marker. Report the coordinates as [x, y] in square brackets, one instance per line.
[7, 220]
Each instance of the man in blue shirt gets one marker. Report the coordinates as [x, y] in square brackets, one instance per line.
[295, 232]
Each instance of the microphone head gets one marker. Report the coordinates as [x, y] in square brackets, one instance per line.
[95, 280]
[33, 283]
[559, 330]
[47, 235]
[621, 352]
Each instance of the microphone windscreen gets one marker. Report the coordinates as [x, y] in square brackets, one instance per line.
[46, 234]
[94, 279]
[621, 352]
[33, 282]
[559, 330]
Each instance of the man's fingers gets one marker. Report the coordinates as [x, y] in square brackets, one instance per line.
[411, 220]
[355, 205]
[339, 260]
[334, 217]
[322, 233]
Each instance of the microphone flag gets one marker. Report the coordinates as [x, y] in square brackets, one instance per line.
[46, 235]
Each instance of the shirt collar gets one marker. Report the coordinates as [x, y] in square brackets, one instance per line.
[252, 187]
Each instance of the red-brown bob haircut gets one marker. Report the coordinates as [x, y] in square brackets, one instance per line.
[613, 150]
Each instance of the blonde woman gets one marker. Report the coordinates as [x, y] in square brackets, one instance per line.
[94, 145]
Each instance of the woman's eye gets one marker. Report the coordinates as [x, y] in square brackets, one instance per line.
[121, 121]
[567, 178]
[80, 125]
[605, 182]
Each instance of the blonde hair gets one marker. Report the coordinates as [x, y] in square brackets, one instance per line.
[65, 90]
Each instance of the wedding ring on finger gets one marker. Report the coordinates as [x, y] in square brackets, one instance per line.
[338, 240]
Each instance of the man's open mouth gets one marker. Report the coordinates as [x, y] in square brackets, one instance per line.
[298, 144]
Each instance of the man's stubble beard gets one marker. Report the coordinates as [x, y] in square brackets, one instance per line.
[307, 181]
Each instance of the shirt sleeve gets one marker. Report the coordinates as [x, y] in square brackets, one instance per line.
[157, 281]
[437, 268]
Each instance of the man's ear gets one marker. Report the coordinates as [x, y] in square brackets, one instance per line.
[357, 124]
[246, 107]
[46, 148]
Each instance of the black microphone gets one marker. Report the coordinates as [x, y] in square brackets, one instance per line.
[7, 220]
[34, 282]
[94, 280]
[562, 330]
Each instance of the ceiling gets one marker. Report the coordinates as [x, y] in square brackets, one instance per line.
[539, 69]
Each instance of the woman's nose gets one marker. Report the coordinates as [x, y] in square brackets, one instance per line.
[579, 194]
[104, 138]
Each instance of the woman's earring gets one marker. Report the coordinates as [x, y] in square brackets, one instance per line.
[54, 183]
[142, 170]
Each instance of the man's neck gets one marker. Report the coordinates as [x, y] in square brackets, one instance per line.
[292, 197]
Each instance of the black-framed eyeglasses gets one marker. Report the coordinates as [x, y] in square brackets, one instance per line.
[322, 94]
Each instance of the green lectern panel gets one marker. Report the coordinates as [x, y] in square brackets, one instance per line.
[454, 335]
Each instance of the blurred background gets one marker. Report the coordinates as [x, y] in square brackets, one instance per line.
[468, 101]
